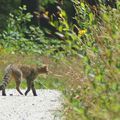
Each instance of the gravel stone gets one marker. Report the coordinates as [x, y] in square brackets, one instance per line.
[47, 105]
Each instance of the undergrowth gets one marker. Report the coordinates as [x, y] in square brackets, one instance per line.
[85, 67]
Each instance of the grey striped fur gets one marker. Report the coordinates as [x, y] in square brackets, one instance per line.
[6, 77]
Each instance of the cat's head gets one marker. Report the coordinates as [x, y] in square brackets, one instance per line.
[43, 69]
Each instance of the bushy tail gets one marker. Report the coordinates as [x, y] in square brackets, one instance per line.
[6, 77]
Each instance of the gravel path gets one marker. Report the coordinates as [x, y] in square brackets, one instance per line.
[46, 106]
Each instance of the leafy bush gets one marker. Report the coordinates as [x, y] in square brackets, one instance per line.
[20, 36]
[94, 92]
[5, 8]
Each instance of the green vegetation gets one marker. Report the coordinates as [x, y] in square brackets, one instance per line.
[84, 66]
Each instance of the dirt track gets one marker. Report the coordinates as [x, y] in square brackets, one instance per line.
[46, 106]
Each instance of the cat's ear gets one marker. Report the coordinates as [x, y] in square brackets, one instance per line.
[45, 65]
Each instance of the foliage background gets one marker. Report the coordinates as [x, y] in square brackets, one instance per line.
[85, 66]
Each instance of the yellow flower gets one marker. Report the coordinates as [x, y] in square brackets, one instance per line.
[60, 14]
[82, 32]
[46, 13]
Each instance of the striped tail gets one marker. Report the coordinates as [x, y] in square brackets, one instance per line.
[6, 77]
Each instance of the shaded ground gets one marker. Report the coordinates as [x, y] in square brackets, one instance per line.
[46, 106]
